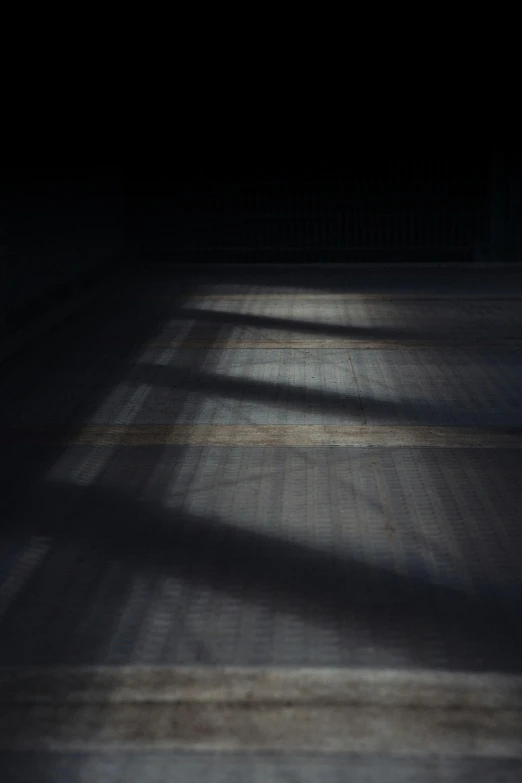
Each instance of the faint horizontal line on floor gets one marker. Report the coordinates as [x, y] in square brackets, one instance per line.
[211, 708]
[332, 342]
[268, 684]
[278, 435]
[360, 297]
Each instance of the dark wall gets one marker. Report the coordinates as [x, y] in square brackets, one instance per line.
[506, 202]
[369, 201]
[57, 226]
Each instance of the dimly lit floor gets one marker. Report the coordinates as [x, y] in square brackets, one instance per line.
[299, 468]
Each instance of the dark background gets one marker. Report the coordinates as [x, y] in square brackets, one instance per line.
[452, 195]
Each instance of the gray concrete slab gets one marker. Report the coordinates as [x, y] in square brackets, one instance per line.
[271, 472]
[240, 554]
[252, 767]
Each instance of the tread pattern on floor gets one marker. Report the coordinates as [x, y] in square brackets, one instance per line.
[325, 556]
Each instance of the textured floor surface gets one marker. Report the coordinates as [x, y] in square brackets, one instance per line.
[253, 768]
[265, 468]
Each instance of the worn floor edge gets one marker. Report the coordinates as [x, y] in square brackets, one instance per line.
[391, 688]
[362, 436]
[109, 728]
[362, 296]
[213, 709]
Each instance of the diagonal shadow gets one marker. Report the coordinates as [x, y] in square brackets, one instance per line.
[294, 396]
[155, 545]
[209, 552]
[398, 612]
[294, 325]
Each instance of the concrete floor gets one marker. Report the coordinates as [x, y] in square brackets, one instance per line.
[259, 472]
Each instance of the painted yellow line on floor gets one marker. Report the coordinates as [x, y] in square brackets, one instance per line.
[134, 728]
[360, 297]
[277, 435]
[268, 684]
[327, 711]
